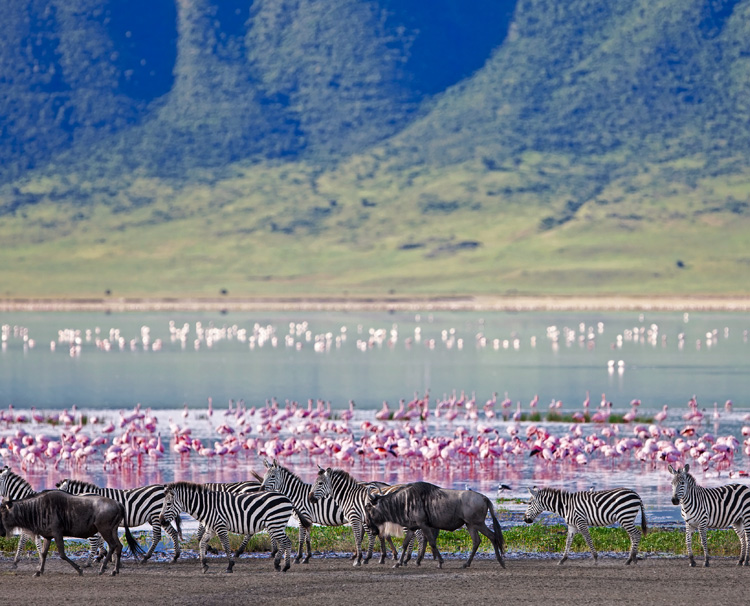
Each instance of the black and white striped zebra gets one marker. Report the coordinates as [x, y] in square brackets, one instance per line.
[241, 487]
[142, 505]
[352, 497]
[14, 487]
[704, 508]
[591, 508]
[225, 512]
[324, 512]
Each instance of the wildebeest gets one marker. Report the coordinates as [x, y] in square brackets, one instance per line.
[429, 508]
[54, 514]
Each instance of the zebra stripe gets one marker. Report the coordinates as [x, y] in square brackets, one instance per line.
[591, 508]
[704, 508]
[241, 487]
[352, 497]
[142, 505]
[323, 511]
[224, 512]
[14, 487]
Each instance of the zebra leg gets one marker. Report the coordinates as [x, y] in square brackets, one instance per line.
[420, 554]
[155, 538]
[358, 532]
[568, 542]
[746, 536]
[738, 530]
[224, 538]
[635, 539]
[243, 546]
[285, 548]
[308, 544]
[22, 539]
[175, 536]
[199, 538]
[689, 543]
[300, 544]
[208, 534]
[584, 530]
[704, 543]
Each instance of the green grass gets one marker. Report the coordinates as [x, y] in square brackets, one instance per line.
[273, 231]
[534, 538]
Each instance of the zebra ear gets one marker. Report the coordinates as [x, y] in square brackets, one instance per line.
[266, 463]
[275, 462]
[686, 468]
[533, 492]
[320, 469]
[672, 470]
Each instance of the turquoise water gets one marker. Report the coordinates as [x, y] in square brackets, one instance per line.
[659, 358]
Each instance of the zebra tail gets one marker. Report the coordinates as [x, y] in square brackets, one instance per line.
[496, 528]
[304, 521]
[133, 545]
[644, 528]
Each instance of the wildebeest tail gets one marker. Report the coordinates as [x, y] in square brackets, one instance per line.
[133, 545]
[496, 527]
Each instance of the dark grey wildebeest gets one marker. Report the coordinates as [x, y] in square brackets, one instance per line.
[54, 514]
[429, 508]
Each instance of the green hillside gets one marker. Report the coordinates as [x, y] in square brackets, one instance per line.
[354, 147]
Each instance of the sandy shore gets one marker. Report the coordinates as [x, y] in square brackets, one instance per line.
[468, 303]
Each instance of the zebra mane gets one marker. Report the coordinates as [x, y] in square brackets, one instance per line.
[342, 474]
[85, 486]
[286, 470]
[184, 485]
[9, 477]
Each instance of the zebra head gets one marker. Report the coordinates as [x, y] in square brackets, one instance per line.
[322, 486]
[535, 506]
[171, 508]
[680, 480]
[273, 479]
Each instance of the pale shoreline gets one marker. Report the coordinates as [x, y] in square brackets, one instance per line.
[389, 303]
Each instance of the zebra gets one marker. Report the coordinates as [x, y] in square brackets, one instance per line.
[14, 487]
[241, 487]
[591, 508]
[142, 505]
[224, 512]
[718, 507]
[323, 511]
[352, 497]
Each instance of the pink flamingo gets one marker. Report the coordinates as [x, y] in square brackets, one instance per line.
[384, 413]
[660, 417]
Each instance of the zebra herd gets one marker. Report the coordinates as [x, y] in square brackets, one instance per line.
[376, 509]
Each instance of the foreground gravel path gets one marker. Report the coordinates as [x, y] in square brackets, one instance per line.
[333, 581]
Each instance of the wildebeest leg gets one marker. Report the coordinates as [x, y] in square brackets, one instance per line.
[43, 557]
[431, 536]
[60, 542]
[383, 554]
[114, 546]
[475, 541]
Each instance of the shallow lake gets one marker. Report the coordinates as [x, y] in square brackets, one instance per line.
[102, 364]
